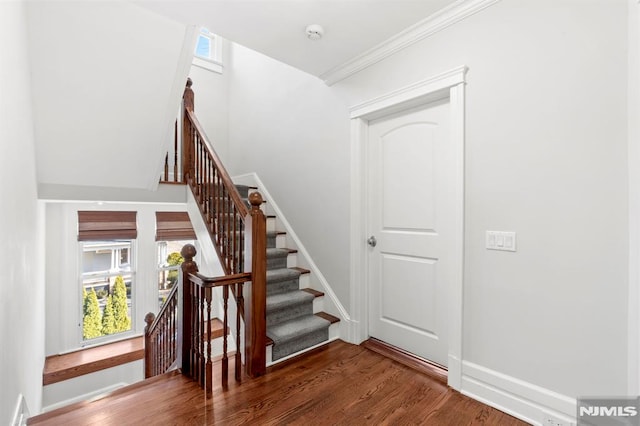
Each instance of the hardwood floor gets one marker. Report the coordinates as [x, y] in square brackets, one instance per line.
[339, 384]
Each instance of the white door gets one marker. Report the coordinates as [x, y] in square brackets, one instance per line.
[411, 217]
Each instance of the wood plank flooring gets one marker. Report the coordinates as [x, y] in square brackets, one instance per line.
[338, 384]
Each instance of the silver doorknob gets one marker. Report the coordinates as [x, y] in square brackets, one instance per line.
[372, 241]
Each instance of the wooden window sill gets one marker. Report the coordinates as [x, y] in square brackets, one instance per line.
[84, 361]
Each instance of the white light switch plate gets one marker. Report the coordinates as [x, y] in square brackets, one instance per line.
[501, 240]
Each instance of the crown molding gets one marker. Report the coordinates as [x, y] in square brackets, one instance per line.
[440, 20]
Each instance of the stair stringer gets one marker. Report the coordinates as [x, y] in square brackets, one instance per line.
[317, 280]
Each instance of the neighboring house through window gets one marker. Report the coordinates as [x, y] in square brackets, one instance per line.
[107, 245]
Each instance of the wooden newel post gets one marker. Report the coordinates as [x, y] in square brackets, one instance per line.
[256, 300]
[148, 346]
[188, 167]
[189, 266]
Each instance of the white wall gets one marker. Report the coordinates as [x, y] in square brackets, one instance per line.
[22, 289]
[290, 129]
[91, 385]
[546, 156]
[107, 81]
[211, 91]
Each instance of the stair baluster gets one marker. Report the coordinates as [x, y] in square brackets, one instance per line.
[239, 236]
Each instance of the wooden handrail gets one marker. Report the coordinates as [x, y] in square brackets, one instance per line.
[198, 290]
[238, 232]
[239, 236]
[224, 175]
[204, 281]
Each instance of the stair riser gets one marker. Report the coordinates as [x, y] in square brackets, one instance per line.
[271, 223]
[276, 263]
[282, 286]
[318, 304]
[281, 350]
[289, 313]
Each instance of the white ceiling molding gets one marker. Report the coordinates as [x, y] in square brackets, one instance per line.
[423, 29]
[415, 92]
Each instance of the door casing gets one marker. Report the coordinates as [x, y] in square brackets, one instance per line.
[451, 85]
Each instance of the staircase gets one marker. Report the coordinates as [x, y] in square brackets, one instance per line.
[282, 312]
[295, 321]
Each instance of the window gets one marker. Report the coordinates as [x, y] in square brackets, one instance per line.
[169, 261]
[208, 52]
[173, 231]
[107, 247]
[106, 283]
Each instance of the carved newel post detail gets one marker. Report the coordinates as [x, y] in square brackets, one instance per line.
[256, 303]
[187, 97]
[188, 149]
[189, 266]
[148, 346]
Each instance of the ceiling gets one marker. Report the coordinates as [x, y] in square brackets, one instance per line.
[276, 28]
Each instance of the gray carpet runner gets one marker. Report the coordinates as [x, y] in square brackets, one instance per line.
[291, 323]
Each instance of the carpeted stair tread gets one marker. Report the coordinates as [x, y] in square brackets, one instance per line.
[295, 329]
[271, 238]
[282, 274]
[244, 190]
[277, 258]
[282, 280]
[287, 300]
[277, 252]
[288, 305]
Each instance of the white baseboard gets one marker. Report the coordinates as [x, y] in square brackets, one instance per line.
[516, 397]
[252, 179]
[21, 412]
[92, 396]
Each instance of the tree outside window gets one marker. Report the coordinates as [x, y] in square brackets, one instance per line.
[169, 261]
[107, 279]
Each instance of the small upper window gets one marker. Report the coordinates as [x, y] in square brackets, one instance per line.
[203, 48]
[208, 53]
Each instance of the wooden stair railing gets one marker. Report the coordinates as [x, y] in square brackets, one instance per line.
[174, 176]
[161, 344]
[239, 236]
[197, 358]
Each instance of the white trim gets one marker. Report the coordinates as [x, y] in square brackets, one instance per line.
[21, 412]
[516, 397]
[448, 84]
[345, 319]
[358, 226]
[174, 109]
[88, 397]
[408, 96]
[207, 64]
[633, 155]
[419, 31]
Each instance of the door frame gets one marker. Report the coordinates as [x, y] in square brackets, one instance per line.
[451, 85]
